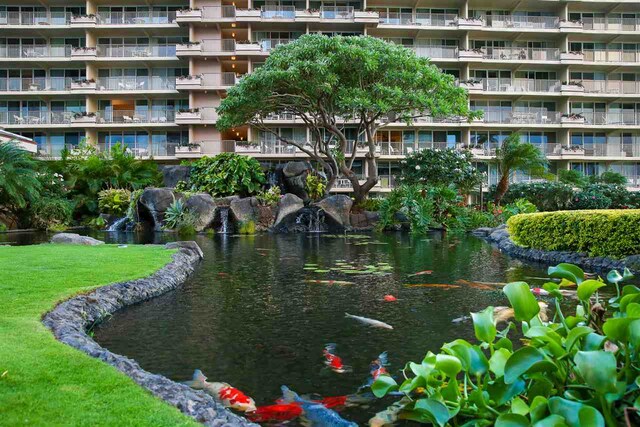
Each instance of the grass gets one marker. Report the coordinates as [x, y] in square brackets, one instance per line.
[44, 382]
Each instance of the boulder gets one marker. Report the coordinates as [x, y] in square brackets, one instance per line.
[75, 239]
[203, 207]
[154, 202]
[171, 174]
[364, 220]
[288, 204]
[244, 210]
[294, 178]
[499, 235]
[189, 245]
[338, 208]
[225, 201]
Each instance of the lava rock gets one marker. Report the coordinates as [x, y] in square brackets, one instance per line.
[337, 207]
[172, 174]
[186, 245]
[154, 202]
[203, 206]
[288, 204]
[244, 210]
[294, 177]
[75, 239]
[225, 201]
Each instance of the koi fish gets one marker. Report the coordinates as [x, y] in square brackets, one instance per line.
[390, 415]
[332, 361]
[377, 367]
[433, 285]
[502, 314]
[277, 412]
[421, 273]
[329, 282]
[475, 284]
[369, 322]
[390, 298]
[315, 413]
[544, 293]
[228, 396]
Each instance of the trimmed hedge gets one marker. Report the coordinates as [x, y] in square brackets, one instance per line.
[612, 233]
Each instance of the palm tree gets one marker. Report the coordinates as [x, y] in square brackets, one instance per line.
[515, 155]
[19, 182]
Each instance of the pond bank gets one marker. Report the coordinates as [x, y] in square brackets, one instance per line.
[499, 236]
[70, 320]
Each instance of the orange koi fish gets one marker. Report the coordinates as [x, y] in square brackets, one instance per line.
[433, 285]
[228, 396]
[390, 298]
[277, 412]
[421, 273]
[332, 361]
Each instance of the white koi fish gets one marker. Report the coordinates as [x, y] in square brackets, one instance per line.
[229, 397]
[369, 322]
[390, 415]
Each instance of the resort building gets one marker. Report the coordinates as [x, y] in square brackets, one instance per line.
[565, 74]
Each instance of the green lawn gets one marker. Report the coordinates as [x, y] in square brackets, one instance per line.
[44, 382]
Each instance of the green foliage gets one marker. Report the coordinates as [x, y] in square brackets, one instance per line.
[98, 223]
[247, 227]
[519, 206]
[269, 197]
[613, 233]
[590, 198]
[227, 174]
[315, 186]
[114, 201]
[177, 217]
[547, 196]
[371, 204]
[50, 213]
[132, 211]
[618, 195]
[440, 168]
[609, 177]
[560, 375]
[410, 202]
[19, 182]
[182, 186]
[571, 177]
[3, 228]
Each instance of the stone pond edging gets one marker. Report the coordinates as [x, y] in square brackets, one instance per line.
[70, 320]
[500, 237]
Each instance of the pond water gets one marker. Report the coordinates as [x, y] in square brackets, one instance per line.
[249, 315]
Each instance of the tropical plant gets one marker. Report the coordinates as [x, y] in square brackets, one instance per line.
[324, 81]
[315, 186]
[519, 206]
[609, 177]
[114, 201]
[512, 156]
[247, 227]
[571, 177]
[50, 213]
[19, 182]
[546, 195]
[371, 204]
[177, 217]
[590, 198]
[227, 174]
[618, 194]
[3, 227]
[575, 370]
[436, 167]
[410, 203]
[269, 197]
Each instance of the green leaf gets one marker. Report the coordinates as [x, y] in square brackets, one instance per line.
[484, 325]
[518, 406]
[383, 385]
[567, 271]
[551, 421]
[520, 362]
[411, 384]
[524, 303]
[436, 410]
[587, 288]
[627, 275]
[538, 408]
[472, 358]
[614, 277]
[570, 411]
[498, 360]
[575, 335]
[501, 392]
[634, 333]
[422, 369]
[633, 310]
[593, 341]
[450, 365]
[512, 420]
[617, 328]
[598, 368]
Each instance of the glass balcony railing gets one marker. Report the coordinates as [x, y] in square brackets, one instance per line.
[35, 84]
[520, 21]
[611, 55]
[611, 86]
[520, 85]
[337, 12]
[278, 12]
[418, 18]
[135, 18]
[35, 18]
[35, 51]
[145, 150]
[521, 53]
[438, 52]
[136, 83]
[136, 116]
[218, 12]
[519, 116]
[136, 51]
[36, 117]
[611, 23]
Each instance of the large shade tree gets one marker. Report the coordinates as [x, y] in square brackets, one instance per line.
[333, 83]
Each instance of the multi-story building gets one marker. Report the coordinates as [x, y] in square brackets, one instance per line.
[565, 74]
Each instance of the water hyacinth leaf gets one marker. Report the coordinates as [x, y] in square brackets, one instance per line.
[588, 287]
[567, 409]
[504, 343]
[498, 360]
[590, 417]
[634, 333]
[550, 421]
[627, 274]
[538, 408]
[553, 289]
[383, 385]
[411, 384]
[617, 329]
[501, 392]
[436, 410]
[472, 358]
[422, 370]
[633, 309]
[598, 368]
[450, 365]
[614, 277]
[512, 420]
[520, 362]
[519, 406]
[570, 272]
[540, 386]
[628, 299]
[593, 341]
[524, 303]
[484, 325]
[575, 335]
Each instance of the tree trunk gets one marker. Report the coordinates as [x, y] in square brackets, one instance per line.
[501, 188]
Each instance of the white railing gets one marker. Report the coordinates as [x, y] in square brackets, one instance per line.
[278, 12]
[419, 18]
[219, 45]
[622, 118]
[520, 85]
[135, 83]
[217, 12]
[35, 84]
[35, 117]
[136, 116]
[520, 21]
[135, 18]
[35, 51]
[611, 55]
[35, 18]
[519, 116]
[144, 150]
[268, 44]
[396, 18]
[521, 53]
[219, 79]
[611, 23]
[135, 51]
[611, 86]
[440, 52]
[336, 12]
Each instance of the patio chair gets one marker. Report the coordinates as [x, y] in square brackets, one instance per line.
[18, 120]
[127, 119]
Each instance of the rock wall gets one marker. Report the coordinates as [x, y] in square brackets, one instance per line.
[70, 319]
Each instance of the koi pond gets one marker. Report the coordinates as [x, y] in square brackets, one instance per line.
[260, 309]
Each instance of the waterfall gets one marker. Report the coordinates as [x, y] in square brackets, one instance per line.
[224, 221]
[310, 220]
[119, 224]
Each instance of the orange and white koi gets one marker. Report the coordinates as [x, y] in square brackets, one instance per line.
[333, 361]
[421, 273]
[228, 396]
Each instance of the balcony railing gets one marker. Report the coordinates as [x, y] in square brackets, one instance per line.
[35, 84]
[268, 44]
[278, 12]
[519, 21]
[144, 150]
[136, 116]
[35, 18]
[217, 12]
[520, 85]
[521, 53]
[439, 52]
[219, 45]
[133, 18]
[611, 23]
[336, 12]
[35, 117]
[136, 83]
[418, 18]
[520, 116]
[136, 51]
[35, 51]
[611, 86]
[611, 55]
[219, 79]
[48, 149]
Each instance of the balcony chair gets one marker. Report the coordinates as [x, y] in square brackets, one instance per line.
[18, 120]
[127, 119]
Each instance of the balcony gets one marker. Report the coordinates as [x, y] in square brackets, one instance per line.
[610, 23]
[35, 51]
[611, 56]
[520, 116]
[521, 54]
[36, 84]
[613, 118]
[130, 117]
[145, 150]
[140, 83]
[421, 19]
[42, 18]
[196, 116]
[337, 13]
[136, 18]
[136, 51]
[519, 85]
[212, 13]
[436, 52]
[611, 87]
[36, 118]
[525, 22]
[278, 12]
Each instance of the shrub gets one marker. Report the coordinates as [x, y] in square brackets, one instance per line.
[618, 194]
[371, 204]
[227, 174]
[571, 176]
[177, 217]
[590, 198]
[469, 218]
[247, 227]
[114, 201]
[613, 233]
[440, 168]
[547, 196]
[408, 201]
[3, 228]
[19, 182]
[519, 206]
[315, 186]
[610, 177]
[269, 197]
[51, 213]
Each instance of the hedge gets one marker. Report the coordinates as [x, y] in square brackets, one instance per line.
[612, 233]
